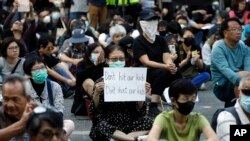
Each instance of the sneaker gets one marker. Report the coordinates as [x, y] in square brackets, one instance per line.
[153, 111]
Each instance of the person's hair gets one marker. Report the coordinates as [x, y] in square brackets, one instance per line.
[116, 29]
[129, 19]
[162, 23]
[6, 42]
[111, 48]
[182, 18]
[36, 121]
[12, 79]
[170, 37]
[30, 60]
[89, 50]
[174, 27]
[235, 4]
[181, 86]
[224, 25]
[184, 30]
[43, 41]
[244, 81]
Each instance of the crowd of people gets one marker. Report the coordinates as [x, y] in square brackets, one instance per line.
[56, 49]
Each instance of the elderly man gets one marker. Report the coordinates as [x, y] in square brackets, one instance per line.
[15, 109]
[229, 61]
[242, 108]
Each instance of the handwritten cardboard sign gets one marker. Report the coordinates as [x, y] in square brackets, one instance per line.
[24, 6]
[124, 84]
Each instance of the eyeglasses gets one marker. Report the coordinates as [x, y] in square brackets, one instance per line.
[49, 134]
[246, 92]
[235, 29]
[13, 47]
[116, 59]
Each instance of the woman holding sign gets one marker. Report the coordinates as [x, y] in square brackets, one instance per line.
[117, 120]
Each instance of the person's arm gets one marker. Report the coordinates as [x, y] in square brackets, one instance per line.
[8, 20]
[246, 60]
[63, 57]
[206, 54]
[17, 127]
[145, 60]
[98, 88]
[154, 134]
[58, 94]
[209, 134]
[57, 76]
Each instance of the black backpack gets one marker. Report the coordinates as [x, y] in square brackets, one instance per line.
[232, 110]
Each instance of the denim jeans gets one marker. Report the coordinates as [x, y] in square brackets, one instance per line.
[63, 73]
[200, 78]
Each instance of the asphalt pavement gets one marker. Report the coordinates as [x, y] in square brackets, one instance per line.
[207, 105]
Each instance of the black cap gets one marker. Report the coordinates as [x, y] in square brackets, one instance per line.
[126, 42]
[148, 14]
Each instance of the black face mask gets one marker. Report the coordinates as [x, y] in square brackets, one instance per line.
[185, 108]
[189, 41]
[163, 33]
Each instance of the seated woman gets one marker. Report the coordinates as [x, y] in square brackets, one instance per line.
[117, 120]
[45, 124]
[43, 91]
[11, 61]
[116, 33]
[88, 71]
[180, 124]
[189, 59]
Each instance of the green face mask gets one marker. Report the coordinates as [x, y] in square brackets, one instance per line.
[117, 64]
[39, 76]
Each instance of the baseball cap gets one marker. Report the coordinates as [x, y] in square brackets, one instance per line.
[148, 14]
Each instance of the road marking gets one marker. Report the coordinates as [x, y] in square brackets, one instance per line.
[78, 132]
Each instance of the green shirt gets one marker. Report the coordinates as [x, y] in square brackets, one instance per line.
[196, 122]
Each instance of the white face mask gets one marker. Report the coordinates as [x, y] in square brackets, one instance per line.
[149, 28]
[46, 19]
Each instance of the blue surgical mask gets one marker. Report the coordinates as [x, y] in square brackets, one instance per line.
[39, 76]
[117, 64]
[55, 15]
[245, 102]
[94, 57]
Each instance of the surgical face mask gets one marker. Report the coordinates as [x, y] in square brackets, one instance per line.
[149, 28]
[185, 108]
[189, 41]
[46, 19]
[39, 76]
[245, 102]
[94, 57]
[55, 15]
[183, 26]
[117, 64]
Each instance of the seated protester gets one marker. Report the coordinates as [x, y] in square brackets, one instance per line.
[226, 71]
[104, 38]
[172, 43]
[150, 51]
[127, 43]
[116, 33]
[189, 60]
[207, 49]
[15, 109]
[44, 91]
[180, 124]
[11, 61]
[19, 29]
[55, 68]
[162, 28]
[88, 71]
[75, 24]
[72, 55]
[45, 124]
[117, 120]
[90, 68]
[242, 108]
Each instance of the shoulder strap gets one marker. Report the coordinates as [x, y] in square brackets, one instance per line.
[232, 110]
[51, 101]
[14, 69]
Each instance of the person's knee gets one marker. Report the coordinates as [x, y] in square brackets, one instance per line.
[68, 126]
[88, 85]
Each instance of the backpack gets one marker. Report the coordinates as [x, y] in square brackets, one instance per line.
[232, 110]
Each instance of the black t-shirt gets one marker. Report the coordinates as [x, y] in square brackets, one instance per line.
[154, 51]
